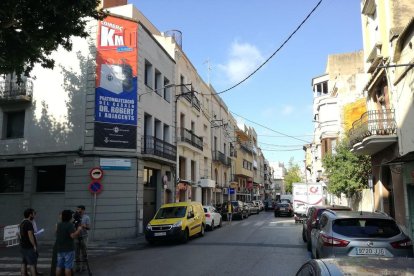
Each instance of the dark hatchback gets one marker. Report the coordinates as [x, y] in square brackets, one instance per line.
[283, 209]
[240, 211]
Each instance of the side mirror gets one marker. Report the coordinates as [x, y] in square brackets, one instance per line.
[190, 215]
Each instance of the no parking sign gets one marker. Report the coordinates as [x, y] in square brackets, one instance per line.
[95, 187]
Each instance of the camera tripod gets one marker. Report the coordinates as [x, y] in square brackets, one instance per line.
[79, 249]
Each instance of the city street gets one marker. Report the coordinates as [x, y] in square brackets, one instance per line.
[259, 245]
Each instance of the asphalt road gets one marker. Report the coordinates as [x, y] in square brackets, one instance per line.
[259, 245]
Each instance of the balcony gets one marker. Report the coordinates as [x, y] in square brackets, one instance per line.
[190, 97]
[152, 147]
[374, 131]
[13, 92]
[192, 139]
[246, 147]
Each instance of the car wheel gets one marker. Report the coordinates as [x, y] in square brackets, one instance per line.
[220, 223]
[150, 242]
[275, 215]
[202, 230]
[185, 236]
[303, 236]
[212, 225]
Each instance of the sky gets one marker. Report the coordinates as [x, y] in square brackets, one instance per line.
[237, 36]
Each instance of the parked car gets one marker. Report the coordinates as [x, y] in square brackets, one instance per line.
[213, 218]
[283, 208]
[357, 266]
[254, 209]
[176, 221]
[312, 215]
[359, 234]
[260, 204]
[239, 210]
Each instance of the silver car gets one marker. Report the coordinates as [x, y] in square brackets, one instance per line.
[358, 234]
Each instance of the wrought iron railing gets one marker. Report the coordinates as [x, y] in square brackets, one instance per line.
[158, 147]
[14, 89]
[190, 97]
[246, 147]
[374, 122]
[189, 137]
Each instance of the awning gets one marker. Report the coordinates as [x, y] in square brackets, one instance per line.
[409, 157]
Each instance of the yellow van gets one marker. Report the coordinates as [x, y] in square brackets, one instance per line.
[176, 221]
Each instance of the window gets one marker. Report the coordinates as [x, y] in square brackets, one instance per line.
[167, 90]
[149, 178]
[51, 178]
[158, 85]
[148, 74]
[14, 124]
[11, 180]
[366, 228]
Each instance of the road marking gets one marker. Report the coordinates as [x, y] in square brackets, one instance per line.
[248, 244]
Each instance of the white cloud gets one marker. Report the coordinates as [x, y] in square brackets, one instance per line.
[244, 58]
[268, 112]
[287, 110]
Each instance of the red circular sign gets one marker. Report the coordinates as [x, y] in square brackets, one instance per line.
[96, 173]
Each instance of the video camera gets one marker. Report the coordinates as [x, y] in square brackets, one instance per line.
[77, 219]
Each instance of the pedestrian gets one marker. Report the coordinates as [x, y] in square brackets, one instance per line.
[65, 245]
[28, 243]
[81, 255]
[229, 211]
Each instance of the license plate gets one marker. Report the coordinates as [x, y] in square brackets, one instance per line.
[282, 209]
[157, 234]
[370, 251]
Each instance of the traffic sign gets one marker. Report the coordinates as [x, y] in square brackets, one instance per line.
[95, 187]
[96, 173]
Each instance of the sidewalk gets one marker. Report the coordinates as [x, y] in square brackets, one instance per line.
[123, 242]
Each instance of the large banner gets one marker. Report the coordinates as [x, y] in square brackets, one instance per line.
[116, 81]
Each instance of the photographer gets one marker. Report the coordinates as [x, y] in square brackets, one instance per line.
[65, 246]
[83, 220]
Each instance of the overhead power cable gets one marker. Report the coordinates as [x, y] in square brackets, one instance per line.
[278, 132]
[278, 49]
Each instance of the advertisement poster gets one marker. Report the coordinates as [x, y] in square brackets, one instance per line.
[116, 79]
[115, 136]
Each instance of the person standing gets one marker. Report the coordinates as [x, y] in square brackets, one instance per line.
[229, 211]
[81, 255]
[65, 245]
[28, 243]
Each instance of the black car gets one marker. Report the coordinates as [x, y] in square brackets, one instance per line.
[283, 208]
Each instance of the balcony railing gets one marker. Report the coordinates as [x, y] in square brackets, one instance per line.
[246, 147]
[371, 123]
[191, 98]
[14, 91]
[192, 139]
[157, 147]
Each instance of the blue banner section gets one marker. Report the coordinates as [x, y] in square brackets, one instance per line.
[118, 107]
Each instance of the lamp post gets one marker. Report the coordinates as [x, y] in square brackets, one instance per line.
[371, 187]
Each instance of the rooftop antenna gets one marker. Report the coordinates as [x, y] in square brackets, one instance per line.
[208, 70]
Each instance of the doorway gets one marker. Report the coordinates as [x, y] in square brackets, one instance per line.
[151, 179]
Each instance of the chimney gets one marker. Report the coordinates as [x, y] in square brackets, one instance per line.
[112, 3]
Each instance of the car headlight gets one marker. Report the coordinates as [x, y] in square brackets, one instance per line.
[149, 227]
[178, 223]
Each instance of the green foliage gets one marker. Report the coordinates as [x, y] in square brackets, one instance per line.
[347, 172]
[31, 30]
[292, 175]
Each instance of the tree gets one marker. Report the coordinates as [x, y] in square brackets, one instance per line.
[346, 171]
[31, 30]
[292, 175]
